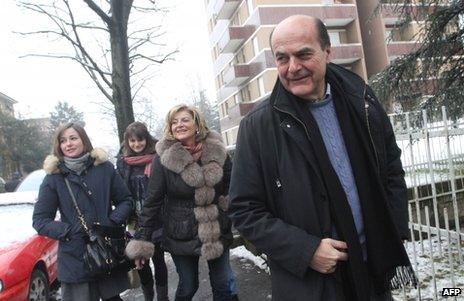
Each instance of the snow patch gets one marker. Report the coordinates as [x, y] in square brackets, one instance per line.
[242, 252]
[15, 224]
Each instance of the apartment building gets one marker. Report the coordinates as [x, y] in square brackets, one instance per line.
[244, 67]
[6, 105]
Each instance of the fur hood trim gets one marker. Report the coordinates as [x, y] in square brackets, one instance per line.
[51, 162]
[202, 177]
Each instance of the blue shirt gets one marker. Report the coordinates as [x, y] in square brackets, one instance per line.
[326, 118]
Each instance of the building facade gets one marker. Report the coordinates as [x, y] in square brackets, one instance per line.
[7, 105]
[243, 63]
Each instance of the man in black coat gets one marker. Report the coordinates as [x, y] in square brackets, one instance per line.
[317, 183]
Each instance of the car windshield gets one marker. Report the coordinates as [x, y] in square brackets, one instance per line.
[32, 181]
[15, 223]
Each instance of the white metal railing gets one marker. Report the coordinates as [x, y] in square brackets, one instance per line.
[433, 159]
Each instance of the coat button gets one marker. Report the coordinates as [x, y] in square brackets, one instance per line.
[288, 125]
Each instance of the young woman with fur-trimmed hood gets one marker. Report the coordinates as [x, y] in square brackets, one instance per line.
[102, 198]
[188, 191]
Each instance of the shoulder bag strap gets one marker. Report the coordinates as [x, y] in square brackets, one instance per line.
[79, 212]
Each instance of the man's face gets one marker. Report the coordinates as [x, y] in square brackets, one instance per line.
[301, 63]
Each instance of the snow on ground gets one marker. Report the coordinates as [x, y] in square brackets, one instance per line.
[243, 253]
[424, 270]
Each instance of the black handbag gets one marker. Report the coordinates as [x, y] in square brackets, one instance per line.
[104, 244]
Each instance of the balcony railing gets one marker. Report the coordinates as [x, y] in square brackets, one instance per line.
[223, 9]
[397, 48]
[233, 37]
[236, 75]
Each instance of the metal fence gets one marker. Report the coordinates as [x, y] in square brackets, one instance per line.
[433, 158]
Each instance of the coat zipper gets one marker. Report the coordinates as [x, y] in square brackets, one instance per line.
[278, 183]
[296, 118]
[366, 107]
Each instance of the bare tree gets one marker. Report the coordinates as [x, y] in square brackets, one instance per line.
[433, 74]
[103, 47]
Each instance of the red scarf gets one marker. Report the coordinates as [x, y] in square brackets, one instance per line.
[141, 160]
[195, 150]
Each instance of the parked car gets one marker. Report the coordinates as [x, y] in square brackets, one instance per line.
[28, 261]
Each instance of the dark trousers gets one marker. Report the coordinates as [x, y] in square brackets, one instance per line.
[161, 272]
[219, 274]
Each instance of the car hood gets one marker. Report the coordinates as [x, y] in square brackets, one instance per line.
[23, 197]
[9, 252]
[12, 248]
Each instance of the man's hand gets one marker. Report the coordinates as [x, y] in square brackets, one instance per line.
[139, 263]
[327, 254]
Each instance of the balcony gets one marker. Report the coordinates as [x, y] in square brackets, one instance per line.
[236, 75]
[261, 62]
[233, 37]
[235, 114]
[346, 53]
[398, 48]
[391, 13]
[223, 9]
[335, 15]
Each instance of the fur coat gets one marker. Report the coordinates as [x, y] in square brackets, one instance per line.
[194, 198]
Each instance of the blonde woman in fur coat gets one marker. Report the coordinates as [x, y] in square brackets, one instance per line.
[102, 198]
[188, 193]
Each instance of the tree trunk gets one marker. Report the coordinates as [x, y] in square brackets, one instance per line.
[122, 98]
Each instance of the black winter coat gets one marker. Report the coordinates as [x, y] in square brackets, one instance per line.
[277, 204]
[137, 182]
[96, 190]
[190, 199]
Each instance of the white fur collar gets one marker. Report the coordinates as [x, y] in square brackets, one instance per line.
[50, 164]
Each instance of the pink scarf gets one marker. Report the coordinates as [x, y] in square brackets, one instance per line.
[195, 150]
[141, 160]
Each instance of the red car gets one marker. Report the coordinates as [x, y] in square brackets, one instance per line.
[28, 262]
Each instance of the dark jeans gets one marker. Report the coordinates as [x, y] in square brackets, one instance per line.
[219, 274]
[161, 272]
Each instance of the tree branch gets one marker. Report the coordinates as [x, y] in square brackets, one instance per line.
[152, 59]
[99, 11]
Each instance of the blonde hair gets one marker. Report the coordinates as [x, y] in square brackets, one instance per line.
[200, 122]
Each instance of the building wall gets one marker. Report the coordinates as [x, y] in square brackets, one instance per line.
[244, 68]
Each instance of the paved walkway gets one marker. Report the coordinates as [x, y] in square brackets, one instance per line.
[253, 283]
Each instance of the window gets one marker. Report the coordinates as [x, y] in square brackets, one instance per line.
[250, 6]
[255, 45]
[245, 94]
[240, 57]
[334, 38]
[238, 98]
[230, 135]
[261, 86]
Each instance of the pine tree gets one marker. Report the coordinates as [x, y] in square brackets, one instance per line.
[433, 74]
